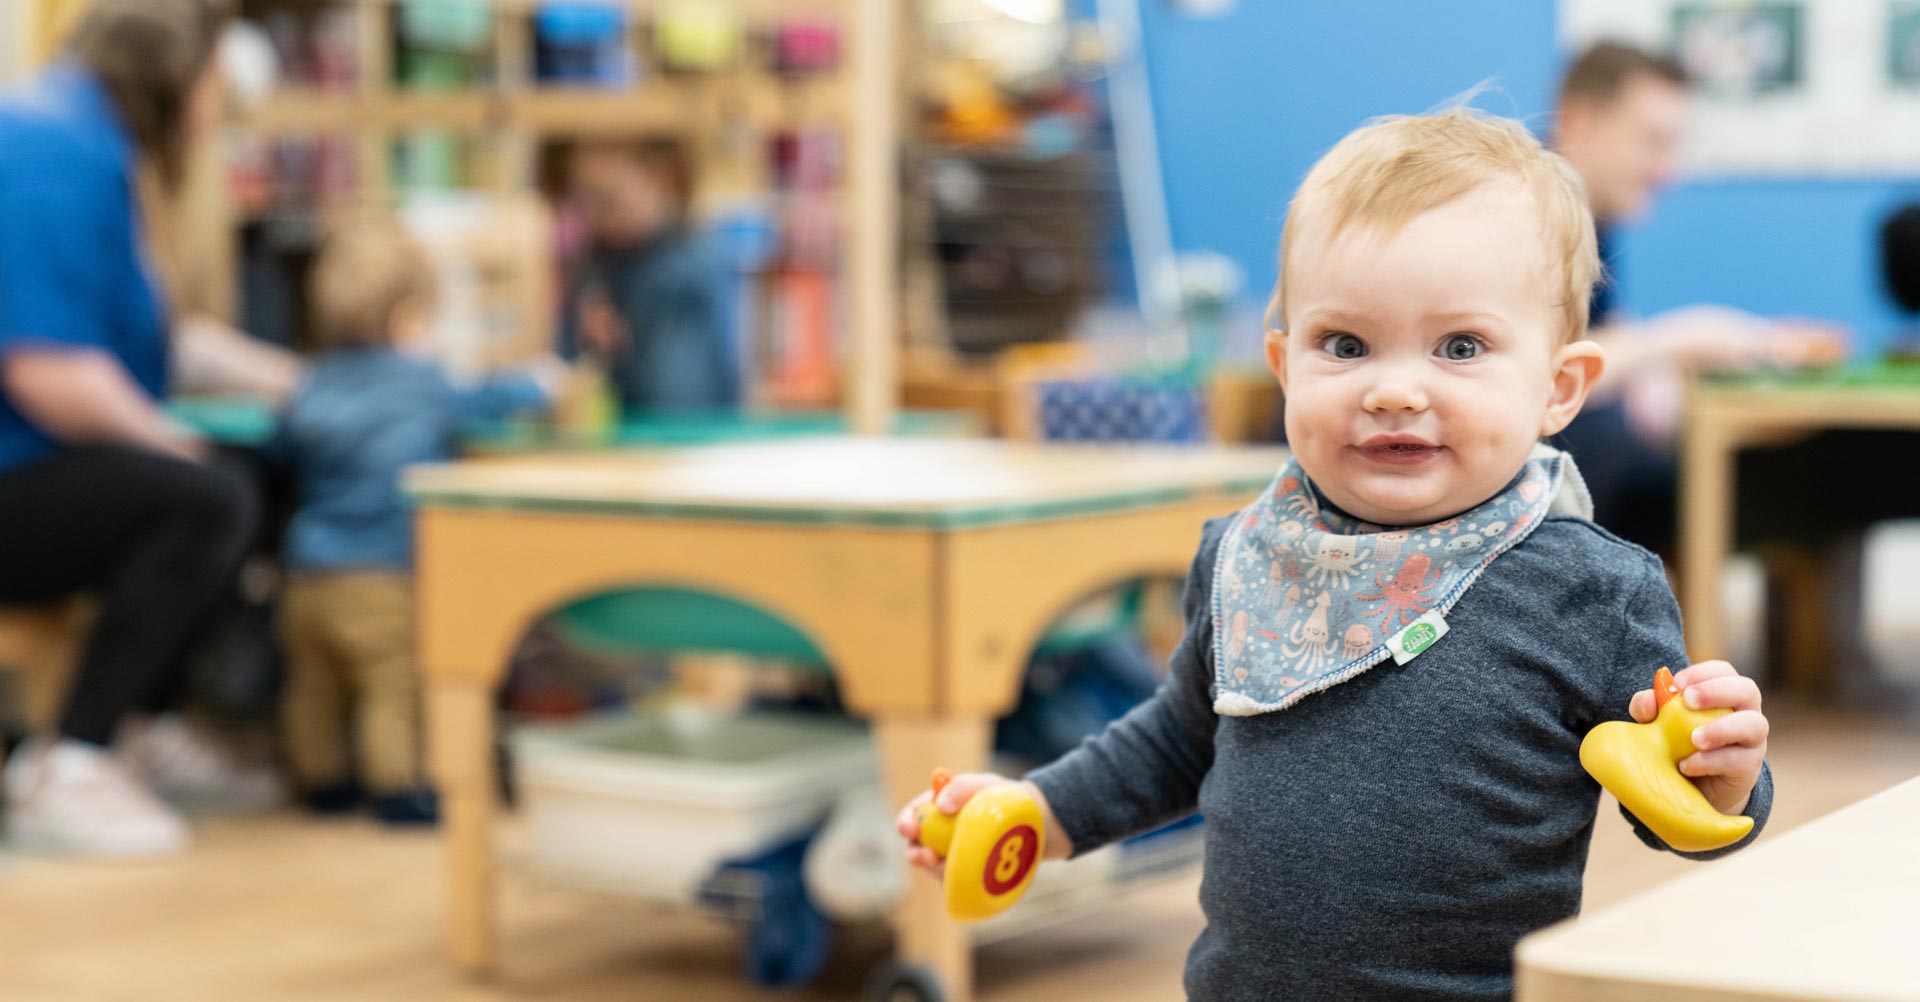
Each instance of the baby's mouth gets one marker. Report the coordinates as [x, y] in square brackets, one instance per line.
[1398, 450]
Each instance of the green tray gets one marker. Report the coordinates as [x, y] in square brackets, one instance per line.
[226, 420]
[675, 620]
[1876, 375]
[669, 620]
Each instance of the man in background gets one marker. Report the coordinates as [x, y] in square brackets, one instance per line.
[1619, 121]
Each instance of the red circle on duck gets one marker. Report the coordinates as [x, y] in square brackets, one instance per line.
[1011, 859]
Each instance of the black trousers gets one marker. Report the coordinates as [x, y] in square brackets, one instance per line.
[158, 539]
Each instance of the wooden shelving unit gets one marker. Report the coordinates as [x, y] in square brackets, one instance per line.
[662, 106]
[514, 115]
[859, 99]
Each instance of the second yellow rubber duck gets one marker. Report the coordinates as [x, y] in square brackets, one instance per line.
[1639, 763]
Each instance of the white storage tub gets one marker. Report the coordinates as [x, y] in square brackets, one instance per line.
[650, 804]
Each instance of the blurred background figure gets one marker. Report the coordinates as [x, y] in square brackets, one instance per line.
[646, 296]
[1620, 121]
[99, 489]
[370, 406]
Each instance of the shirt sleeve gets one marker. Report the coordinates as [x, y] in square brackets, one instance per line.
[1145, 769]
[687, 362]
[50, 254]
[1651, 637]
[497, 398]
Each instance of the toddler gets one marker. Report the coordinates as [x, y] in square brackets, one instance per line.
[648, 297]
[1393, 654]
[366, 409]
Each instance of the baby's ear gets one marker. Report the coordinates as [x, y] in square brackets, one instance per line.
[1576, 367]
[1277, 355]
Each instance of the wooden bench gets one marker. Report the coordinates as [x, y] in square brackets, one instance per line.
[40, 644]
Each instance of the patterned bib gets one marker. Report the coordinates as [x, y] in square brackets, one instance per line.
[1306, 597]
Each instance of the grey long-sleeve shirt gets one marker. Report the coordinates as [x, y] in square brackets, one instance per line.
[1393, 837]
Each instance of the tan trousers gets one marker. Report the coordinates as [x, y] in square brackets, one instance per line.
[349, 643]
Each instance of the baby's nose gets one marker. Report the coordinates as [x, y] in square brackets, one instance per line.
[1395, 394]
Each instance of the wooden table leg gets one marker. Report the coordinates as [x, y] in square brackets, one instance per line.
[1800, 593]
[1706, 530]
[910, 749]
[460, 729]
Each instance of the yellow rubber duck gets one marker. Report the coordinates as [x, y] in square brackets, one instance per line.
[1639, 763]
[992, 847]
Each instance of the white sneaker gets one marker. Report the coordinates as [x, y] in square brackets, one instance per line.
[74, 799]
[190, 768]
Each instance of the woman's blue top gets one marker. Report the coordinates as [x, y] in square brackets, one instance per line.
[74, 275]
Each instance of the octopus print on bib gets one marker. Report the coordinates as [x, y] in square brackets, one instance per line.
[1306, 596]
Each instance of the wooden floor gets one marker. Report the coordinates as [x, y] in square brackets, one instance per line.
[286, 908]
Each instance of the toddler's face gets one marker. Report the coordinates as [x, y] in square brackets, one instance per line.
[1421, 367]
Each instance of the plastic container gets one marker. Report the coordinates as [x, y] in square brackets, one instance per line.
[651, 805]
[582, 42]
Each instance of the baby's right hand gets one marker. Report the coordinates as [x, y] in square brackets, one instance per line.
[953, 797]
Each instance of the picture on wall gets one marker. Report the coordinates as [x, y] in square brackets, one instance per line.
[1903, 44]
[1780, 87]
[1742, 50]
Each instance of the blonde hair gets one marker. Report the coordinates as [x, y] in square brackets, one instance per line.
[366, 270]
[1395, 168]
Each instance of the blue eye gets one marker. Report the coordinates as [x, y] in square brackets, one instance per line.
[1460, 347]
[1343, 346]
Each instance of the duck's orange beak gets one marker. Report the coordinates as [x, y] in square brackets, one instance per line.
[1663, 688]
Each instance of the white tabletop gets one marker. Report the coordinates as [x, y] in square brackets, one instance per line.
[1829, 911]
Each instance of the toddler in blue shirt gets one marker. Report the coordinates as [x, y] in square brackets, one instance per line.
[367, 408]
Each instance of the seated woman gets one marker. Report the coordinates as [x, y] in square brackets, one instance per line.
[99, 491]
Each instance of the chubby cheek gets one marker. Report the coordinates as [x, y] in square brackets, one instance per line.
[1318, 412]
[1491, 431]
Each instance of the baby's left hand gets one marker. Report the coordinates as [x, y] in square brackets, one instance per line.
[1731, 749]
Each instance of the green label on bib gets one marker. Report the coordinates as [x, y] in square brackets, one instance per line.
[1418, 636]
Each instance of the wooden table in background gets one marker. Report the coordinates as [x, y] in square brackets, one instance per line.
[1244, 405]
[925, 571]
[1827, 911]
[1721, 419]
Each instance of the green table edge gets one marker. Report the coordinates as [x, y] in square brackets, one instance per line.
[248, 422]
[960, 517]
[1902, 376]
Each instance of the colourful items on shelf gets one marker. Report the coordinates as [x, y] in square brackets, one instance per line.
[582, 42]
[443, 42]
[801, 48]
[697, 35]
[428, 160]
